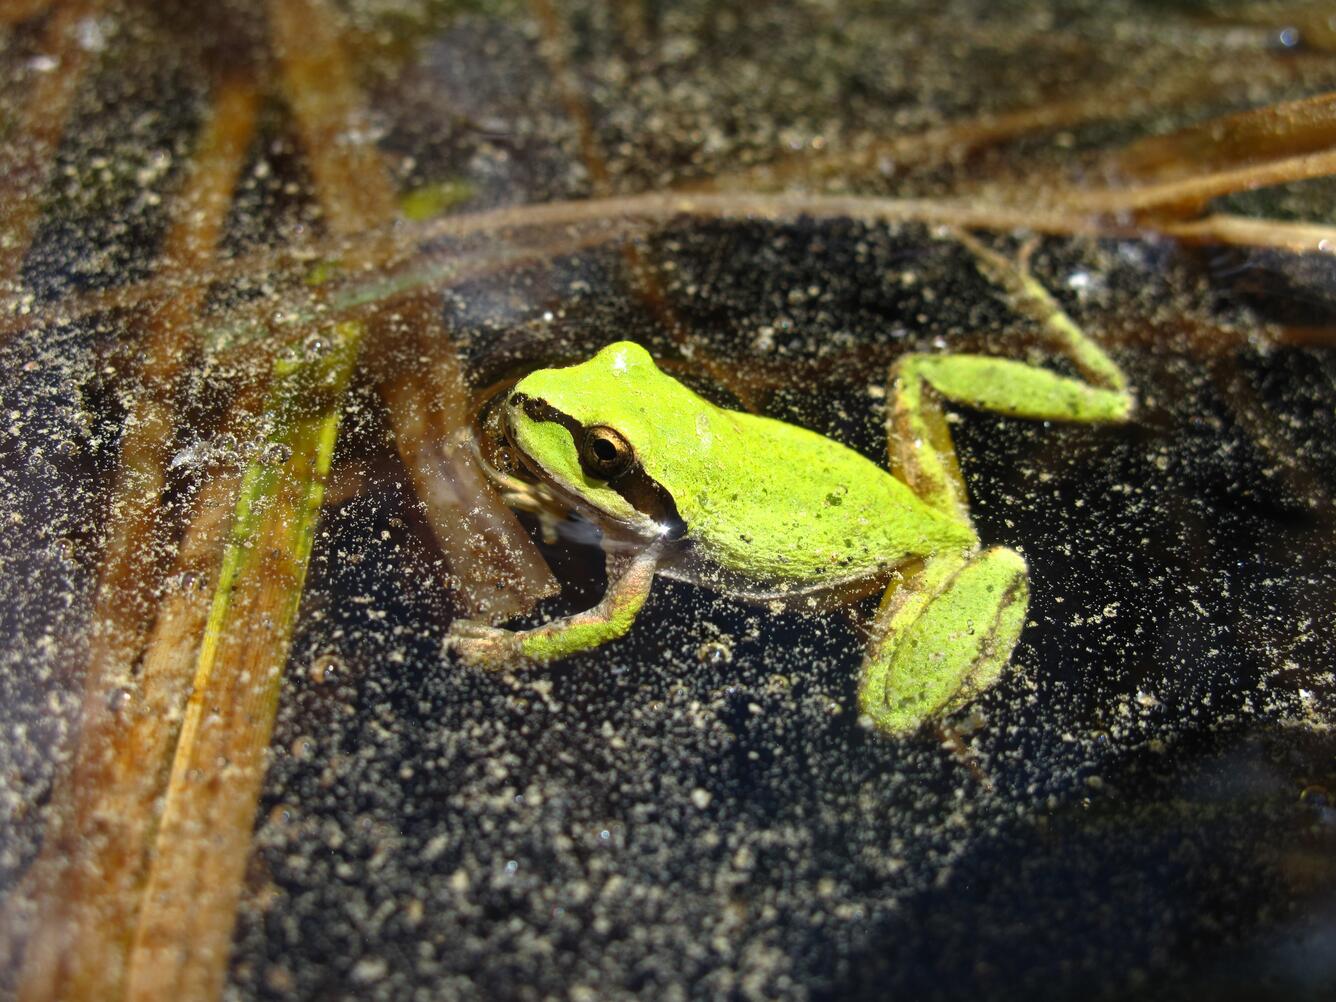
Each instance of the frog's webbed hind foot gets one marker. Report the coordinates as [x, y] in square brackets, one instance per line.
[943, 637]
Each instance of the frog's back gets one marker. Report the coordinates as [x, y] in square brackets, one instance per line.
[798, 512]
[766, 507]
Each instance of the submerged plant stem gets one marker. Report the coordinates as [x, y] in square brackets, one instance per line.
[183, 935]
[1186, 197]
[91, 870]
[1258, 135]
[495, 566]
[498, 572]
[589, 222]
[29, 151]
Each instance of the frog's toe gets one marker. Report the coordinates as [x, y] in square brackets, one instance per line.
[481, 645]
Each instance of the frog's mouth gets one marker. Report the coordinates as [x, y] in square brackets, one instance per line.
[637, 488]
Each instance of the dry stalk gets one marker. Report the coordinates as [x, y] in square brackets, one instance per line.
[558, 228]
[499, 573]
[183, 936]
[18, 11]
[1187, 197]
[1268, 133]
[91, 870]
[29, 151]
[428, 406]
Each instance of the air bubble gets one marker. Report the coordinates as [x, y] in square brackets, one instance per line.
[325, 669]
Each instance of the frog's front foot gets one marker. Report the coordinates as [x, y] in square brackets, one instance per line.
[481, 645]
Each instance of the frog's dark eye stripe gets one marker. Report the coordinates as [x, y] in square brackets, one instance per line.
[647, 496]
[606, 455]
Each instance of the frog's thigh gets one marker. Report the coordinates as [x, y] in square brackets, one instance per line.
[1006, 386]
[943, 637]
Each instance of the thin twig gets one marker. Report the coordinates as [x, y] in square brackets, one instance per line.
[629, 216]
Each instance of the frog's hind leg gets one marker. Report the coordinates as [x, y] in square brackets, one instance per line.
[943, 637]
[922, 453]
[947, 633]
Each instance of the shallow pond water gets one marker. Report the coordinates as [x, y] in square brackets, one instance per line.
[257, 284]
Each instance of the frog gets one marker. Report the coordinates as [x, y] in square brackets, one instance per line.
[771, 512]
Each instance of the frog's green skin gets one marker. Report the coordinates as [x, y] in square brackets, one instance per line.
[769, 510]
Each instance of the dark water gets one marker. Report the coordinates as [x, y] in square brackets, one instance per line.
[696, 811]
[665, 818]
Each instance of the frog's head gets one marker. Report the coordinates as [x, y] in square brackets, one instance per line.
[586, 429]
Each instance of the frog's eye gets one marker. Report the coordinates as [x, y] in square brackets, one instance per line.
[605, 454]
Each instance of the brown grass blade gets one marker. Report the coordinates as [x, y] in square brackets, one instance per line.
[1184, 197]
[29, 150]
[91, 869]
[483, 543]
[351, 182]
[1273, 132]
[1224, 230]
[874, 156]
[496, 578]
[183, 935]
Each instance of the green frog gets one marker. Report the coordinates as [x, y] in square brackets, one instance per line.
[773, 512]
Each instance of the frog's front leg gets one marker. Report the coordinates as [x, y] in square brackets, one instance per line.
[629, 584]
[948, 632]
